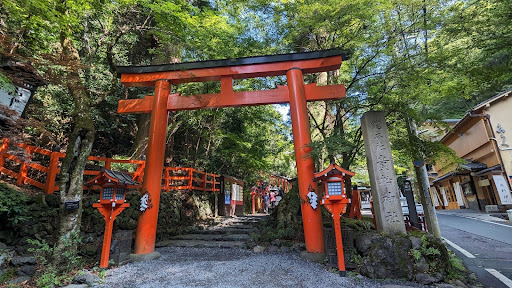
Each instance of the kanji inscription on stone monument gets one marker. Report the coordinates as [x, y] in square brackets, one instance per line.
[386, 201]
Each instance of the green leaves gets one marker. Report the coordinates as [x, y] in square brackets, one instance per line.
[13, 206]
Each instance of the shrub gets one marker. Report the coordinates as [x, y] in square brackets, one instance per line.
[13, 205]
[55, 276]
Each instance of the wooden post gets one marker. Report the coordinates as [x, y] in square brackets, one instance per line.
[167, 184]
[108, 162]
[253, 203]
[110, 214]
[152, 183]
[52, 172]
[107, 238]
[22, 174]
[339, 242]
[203, 185]
[190, 175]
[139, 172]
[3, 148]
[355, 205]
[312, 218]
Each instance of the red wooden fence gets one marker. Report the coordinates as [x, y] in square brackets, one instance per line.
[174, 178]
[281, 182]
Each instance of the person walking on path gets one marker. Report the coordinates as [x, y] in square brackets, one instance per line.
[273, 199]
[265, 202]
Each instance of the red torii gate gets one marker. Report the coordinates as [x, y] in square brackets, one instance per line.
[296, 93]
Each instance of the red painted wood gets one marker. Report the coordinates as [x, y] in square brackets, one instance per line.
[312, 218]
[152, 183]
[280, 95]
[237, 72]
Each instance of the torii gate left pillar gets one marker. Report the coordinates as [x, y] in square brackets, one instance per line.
[297, 94]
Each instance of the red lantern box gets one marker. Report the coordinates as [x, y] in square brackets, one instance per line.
[113, 187]
[335, 201]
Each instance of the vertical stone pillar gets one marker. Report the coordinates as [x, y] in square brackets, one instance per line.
[152, 181]
[385, 193]
[312, 218]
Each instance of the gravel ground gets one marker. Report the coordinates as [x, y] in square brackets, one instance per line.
[218, 267]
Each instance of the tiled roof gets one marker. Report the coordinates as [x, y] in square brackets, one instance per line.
[121, 177]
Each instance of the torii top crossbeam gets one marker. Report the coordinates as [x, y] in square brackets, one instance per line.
[240, 68]
[296, 93]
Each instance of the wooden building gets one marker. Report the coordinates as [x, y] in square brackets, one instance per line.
[231, 197]
[484, 182]
[18, 82]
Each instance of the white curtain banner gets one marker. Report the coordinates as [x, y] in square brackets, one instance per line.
[503, 190]
[458, 193]
[434, 196]
[445, 200]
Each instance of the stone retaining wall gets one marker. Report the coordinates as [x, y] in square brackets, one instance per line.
[178, 211]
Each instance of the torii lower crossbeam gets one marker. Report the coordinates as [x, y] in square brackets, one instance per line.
[296, 93]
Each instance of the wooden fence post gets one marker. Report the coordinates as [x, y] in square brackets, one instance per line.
[52, 171]
[22, 174]
[190, 175]
[167, 182]
[137, 175]
[108, 161]
[204, 182]
[3, 148]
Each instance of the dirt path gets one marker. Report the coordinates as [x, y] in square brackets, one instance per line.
[220, 267]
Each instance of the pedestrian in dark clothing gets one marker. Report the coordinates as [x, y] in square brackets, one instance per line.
[265, 202]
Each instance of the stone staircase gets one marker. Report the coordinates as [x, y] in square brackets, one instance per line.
[225, 233]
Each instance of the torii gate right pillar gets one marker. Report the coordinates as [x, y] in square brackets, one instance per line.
[311, 218]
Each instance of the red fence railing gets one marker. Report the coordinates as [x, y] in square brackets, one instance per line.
[39, 167]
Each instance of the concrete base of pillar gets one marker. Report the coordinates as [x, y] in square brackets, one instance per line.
[313, 257]
[144, 257]
[343, 273]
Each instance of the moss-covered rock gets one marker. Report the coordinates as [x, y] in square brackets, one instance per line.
[285, 221]
[415, 256]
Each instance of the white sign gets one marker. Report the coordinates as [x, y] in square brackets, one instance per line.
[16, 102]
[458, 193]
[144, 202]
[313, 199]
[434, 196]
[503, 190]
[445, 200]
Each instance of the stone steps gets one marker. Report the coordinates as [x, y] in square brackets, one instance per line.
[225, 233]
[201, 244]
[223, 230]
[241, 227]
[213, 237]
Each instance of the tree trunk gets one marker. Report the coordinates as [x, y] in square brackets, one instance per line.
[172, 128]
[79, 149]
[141, 139]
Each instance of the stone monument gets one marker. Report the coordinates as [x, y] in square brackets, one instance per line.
[385, 193]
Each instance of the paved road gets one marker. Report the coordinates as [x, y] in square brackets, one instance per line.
[490, 244]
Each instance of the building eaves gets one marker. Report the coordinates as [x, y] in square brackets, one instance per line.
[496, 168]
[491, 100]
[474, 113]
[445, 176]
[21, 74]
[461, 122]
